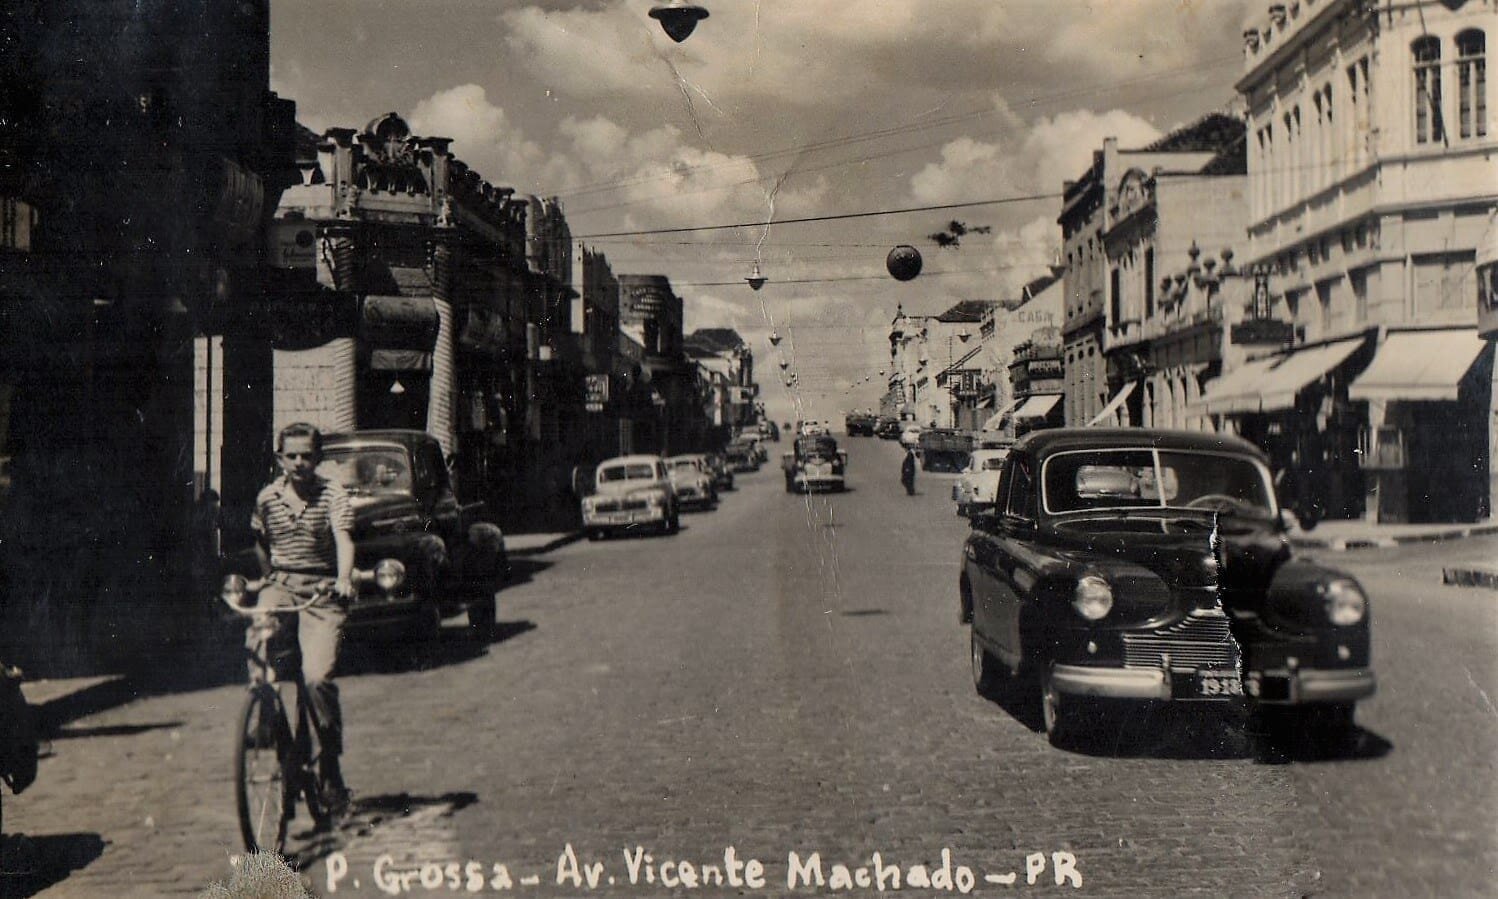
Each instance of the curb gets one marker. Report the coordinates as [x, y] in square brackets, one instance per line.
[1341, 544]
[556, 543]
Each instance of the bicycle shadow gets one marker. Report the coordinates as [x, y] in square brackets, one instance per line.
[31, 864]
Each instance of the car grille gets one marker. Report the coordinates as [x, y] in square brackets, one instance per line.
[1201, 640]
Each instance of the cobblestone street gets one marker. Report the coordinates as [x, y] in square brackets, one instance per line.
[788, 675]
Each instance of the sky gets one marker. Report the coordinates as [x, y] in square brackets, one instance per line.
[774, 110]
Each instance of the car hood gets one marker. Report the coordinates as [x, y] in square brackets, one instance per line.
[624, 488]
[1244, 556]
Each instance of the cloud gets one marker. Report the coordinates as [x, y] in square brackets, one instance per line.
[485, 139]
[1053, 150]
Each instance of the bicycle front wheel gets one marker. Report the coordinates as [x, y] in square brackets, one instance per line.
[260, 777]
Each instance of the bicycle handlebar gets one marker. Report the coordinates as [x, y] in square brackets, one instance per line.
[237, 588]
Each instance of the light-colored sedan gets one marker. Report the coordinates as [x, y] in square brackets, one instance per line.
[692, 481]
[978, 486]
[633, 492]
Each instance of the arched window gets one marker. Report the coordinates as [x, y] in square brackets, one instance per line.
[1427, 67]
[1472, 83]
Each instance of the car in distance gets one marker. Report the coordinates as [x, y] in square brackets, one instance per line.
[886, 428]
[814, 463]
[741, 456]
[631, 493]
[859, 424]
[1142, 565]
[977, 488]
[405, 509]
[691, 481]
[721, 471]
[910, 435]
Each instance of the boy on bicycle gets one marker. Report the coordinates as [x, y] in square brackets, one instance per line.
[304, 525]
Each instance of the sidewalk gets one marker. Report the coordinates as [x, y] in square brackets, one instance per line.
[1344, 535]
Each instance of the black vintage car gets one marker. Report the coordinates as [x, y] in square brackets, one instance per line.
[1140, 565]
[405, 508]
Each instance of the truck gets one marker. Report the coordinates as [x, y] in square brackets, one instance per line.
[945, 449]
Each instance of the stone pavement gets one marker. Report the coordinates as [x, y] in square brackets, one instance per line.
[787, 674]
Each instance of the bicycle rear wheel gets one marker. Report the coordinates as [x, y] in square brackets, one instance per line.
[261, 751]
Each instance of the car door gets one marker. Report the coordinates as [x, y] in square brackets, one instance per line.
[1012, 572]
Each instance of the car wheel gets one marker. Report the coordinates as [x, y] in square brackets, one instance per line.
[481, 619]
[428, 624]
[673, 523]
[986, 674]
[1059, 714]
[595, 534]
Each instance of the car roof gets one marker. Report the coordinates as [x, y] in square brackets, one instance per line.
[637, 459]
[1054, 440]
[990, 452]
[385, 436]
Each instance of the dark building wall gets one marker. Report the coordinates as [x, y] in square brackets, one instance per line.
[145, 139]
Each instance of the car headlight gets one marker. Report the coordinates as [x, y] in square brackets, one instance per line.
[1093, 598]
[1345, 603]
[389, 575]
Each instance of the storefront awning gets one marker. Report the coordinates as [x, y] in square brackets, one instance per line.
[1037, 406]
[1270, 384]
[399, 323]
[1419, 366]
[1118, 400]
[995, 421]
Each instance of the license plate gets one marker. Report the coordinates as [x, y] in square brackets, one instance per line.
[1214, 683]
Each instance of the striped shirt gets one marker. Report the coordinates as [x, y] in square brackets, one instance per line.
[300, 533]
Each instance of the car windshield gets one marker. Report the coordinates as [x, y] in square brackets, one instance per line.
[816, 446]
[684, 464]
[640, 471]
[367, 471]
[992, 463]
[1150, 479]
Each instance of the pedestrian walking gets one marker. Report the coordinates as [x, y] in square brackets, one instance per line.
[907, 472]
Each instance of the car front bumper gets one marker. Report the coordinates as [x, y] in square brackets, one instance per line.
[1298, 686]
[623, 518]
[377, 610]
[818, 482]
[1284, 687]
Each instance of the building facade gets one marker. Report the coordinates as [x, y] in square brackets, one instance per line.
[1370, 159]
[428, 298]
[1189, 193]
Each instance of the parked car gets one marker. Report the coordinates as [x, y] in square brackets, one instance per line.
[1138, 565]
[691, 481]
[631, 493]
[859, 424]
[814, 463]
[944, 449]
[741, 456]
[405, 509]
[722, 472]
[978, 487]
[910, 435]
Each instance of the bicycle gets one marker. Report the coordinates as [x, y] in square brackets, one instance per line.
[275, 763]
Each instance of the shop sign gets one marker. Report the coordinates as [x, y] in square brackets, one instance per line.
[596, 392]
[294, 245]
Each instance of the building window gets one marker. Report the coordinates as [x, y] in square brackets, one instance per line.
[1428, 127]
[1472, 83]
[1115, 297]
[1149, 283]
